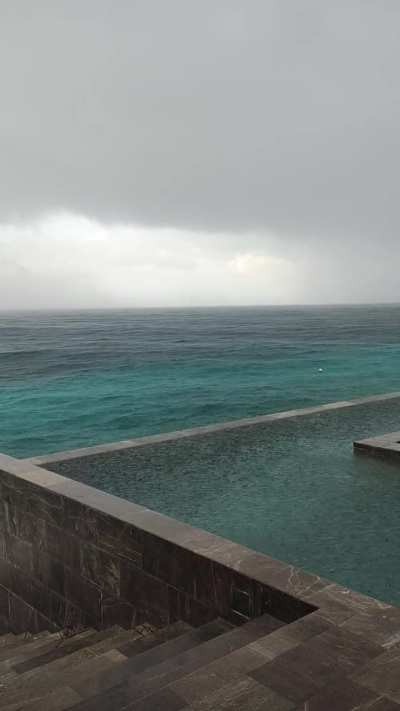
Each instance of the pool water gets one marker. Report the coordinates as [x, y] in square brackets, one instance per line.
[291, 488]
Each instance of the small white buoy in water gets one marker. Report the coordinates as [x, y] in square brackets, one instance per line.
[320, 370]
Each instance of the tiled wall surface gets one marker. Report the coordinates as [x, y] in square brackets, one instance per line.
[71, 555]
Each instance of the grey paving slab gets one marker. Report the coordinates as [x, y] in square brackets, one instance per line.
[343, 696]
[242, 695]
[382, 674]
[382, 627]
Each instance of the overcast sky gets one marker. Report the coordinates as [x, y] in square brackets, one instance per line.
[181, 152]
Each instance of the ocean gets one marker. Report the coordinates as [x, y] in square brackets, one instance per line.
[70, 379]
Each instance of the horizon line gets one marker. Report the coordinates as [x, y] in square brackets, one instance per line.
[78, 309]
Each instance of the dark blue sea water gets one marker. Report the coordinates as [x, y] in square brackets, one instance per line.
[78, 378]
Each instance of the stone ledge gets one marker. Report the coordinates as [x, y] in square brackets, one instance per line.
[205, 430]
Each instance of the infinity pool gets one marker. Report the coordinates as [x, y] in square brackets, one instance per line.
[291, 488]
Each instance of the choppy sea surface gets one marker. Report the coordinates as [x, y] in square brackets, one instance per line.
[80, 378]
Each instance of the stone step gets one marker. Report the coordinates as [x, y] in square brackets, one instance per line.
[7, 637]
[123, 687]
[42, 697]
[34, 647]
[117, 669]
[144, 644]
[65, 697]
[21, 641]
[37, 689]
[97, 644]
[65, 646]
[115, 689]
[94, 652]
[56, 700]
[182, 643]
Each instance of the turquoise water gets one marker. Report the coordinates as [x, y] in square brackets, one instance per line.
[73, 379]
[291, 488]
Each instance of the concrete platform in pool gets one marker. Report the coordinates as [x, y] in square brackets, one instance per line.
[385, 446]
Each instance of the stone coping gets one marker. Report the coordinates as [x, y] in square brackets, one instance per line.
[206, 429]
[332, 601]
[386, 446]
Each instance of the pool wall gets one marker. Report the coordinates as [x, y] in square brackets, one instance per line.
[72, 555]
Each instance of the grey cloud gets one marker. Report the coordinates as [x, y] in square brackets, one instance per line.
[259, 116]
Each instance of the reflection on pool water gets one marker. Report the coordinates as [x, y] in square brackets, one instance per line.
[291, 488]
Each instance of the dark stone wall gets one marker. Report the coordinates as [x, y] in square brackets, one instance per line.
[64, 564]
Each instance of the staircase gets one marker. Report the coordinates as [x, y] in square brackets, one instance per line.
[115, 669]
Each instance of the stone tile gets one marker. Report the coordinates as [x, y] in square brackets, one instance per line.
[329, 609]
[12, 506]
[101, 568]
[274, 645]
[181, 568]
[288, 578]
[183, 607]
[42, 503]
[111, 700]
[119, 697]
[243, 560]
[119, 613]
[165, 700]
[286, 681]
[30, 528]
[66, 615]
[19, 553]
[30, 591]
[58, 544]
[64, 648]
[104, 531]
[243, 694]
[343, 696]
[381, 704]
[145, 592]
[382, 626]
[290, 636]
[199, 684]
[49, 571]
[22, 618]
[85, 595]
[382, 674]
[344, 650]
[300, 672]
[4, 593]
[356, 602]
[59, 700]
[218, 673]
